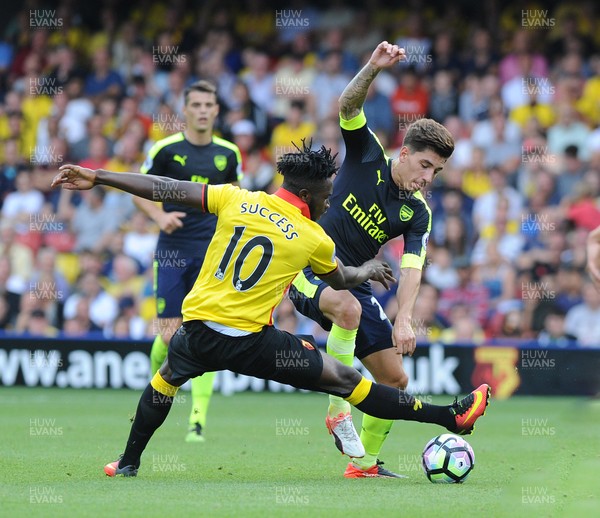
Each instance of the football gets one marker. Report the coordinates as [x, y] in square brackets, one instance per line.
[448, 459]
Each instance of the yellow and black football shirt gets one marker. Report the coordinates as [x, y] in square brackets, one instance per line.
[367, 207]
[216, 163]
[261, 242]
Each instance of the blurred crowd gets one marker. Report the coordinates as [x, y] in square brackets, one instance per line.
[519, 89]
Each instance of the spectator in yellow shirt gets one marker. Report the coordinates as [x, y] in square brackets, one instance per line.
[293, 129]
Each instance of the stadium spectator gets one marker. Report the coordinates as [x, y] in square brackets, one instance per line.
[583, 321]
[378, 111]
[485, 207]
[64, 66]
[47, 275]
[295, 128]
[440, 273]
[568, 131]
[258, 171]
[103, 80]
[416, 43]
[258, 78]
[147, 104]
[328, 135]
[329, 84]
[11, 164]
[92, 221]
[174, 96]
[128, 324]
[37, 324]
[98, 153]
[571, 171]
[504, 232]
[454, 236]
[81, 149]
[123, 279]
[11, 288]
[463, 149]
[103, 308]
[582, 210]
[568, 38]
[36, 46]
[244, 137]
[480, 55]
[365, 34]
[463, 327]
[80, 324]
[242, 107]
[427, 323]
[476, 179]
[587, 104]
[5, 315]
[443, 99]
[553, 334]
[495, 273]
[444, 57]
[473, 294]
[19, 206]
[410, 101]
[333, 41]
[526, 86]
[511, 65]
[139, 241]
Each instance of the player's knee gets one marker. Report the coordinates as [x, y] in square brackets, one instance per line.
[347, 311]
[397, 379]
[347, 378]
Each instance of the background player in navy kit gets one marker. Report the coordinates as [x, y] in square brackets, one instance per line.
[375, 199]
[199, 156]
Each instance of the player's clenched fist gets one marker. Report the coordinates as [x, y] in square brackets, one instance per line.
[386, 54]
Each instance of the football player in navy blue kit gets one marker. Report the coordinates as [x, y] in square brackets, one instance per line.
[196, 155]
[375, 198]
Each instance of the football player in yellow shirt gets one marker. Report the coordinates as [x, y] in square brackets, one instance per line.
[260, 244]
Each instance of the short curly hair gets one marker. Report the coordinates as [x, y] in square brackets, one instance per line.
[306, 167]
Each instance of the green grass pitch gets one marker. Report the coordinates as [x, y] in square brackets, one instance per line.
[270, 455]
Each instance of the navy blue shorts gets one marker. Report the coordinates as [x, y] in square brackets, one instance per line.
[375, 329]
[174, 277]
[269, 354]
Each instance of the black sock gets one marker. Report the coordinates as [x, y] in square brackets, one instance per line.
[392, 403]
[151, 412]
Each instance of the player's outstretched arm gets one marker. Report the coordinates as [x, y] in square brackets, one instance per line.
[353, 96]
[593, 255]
[403, 335]
[346, 277]
[155, 188]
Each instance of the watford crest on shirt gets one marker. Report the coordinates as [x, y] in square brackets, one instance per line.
[220, 162]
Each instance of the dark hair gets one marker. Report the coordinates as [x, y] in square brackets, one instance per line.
[571, 151]
[297, 103]
[427, 134]
[200, 86]
[306, 167]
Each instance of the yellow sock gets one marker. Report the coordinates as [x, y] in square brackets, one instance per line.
[202, 389]
[160, 385]
[340, 345]
[158, 353]
[373, 434]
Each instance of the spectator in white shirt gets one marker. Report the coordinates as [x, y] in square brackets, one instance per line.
[583, 320]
